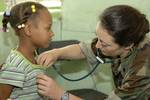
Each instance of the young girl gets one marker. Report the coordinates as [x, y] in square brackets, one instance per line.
[32, 24]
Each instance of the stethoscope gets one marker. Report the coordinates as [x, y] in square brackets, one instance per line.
[99, 61]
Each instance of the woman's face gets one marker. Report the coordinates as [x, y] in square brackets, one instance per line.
[106, 43]
[42, 33]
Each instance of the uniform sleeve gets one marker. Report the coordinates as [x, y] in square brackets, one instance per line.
[12, 75]
[136, 84]
[88, 53]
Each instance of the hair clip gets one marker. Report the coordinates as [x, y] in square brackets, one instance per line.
[21, 26]
[33, 8]
[7, 12]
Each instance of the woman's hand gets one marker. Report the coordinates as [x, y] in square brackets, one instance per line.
[48, 87]
[48, 58]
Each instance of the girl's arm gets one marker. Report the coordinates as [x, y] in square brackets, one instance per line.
[5, 91]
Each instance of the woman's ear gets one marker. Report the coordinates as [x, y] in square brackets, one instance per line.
[129, 47]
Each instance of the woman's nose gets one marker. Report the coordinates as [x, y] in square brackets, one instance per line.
[98, 45]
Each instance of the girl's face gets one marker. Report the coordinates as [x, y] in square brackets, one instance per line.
[106, 43]
[41, 33]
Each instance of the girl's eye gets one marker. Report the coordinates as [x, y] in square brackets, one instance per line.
[48, 28]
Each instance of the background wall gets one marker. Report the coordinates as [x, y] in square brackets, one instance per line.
[80, 16]
[78, 21]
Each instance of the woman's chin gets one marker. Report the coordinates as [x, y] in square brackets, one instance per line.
[106, 54]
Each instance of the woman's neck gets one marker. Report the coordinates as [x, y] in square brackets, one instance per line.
[124, 54]
[27, 49]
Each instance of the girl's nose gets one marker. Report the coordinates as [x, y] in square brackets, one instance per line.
[51, 33]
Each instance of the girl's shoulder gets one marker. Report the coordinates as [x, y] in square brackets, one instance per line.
[17, 60]
[14, 59]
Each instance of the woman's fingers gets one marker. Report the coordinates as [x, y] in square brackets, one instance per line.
[42, 77]
[48, 62]
[41, 59]
[44, 80]
[42, 83]
[41, 91]
[42, 87]
[47, 58]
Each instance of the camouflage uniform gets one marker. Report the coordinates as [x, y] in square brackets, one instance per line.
[131, 74]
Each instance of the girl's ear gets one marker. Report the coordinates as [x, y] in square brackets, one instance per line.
[27, 29]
